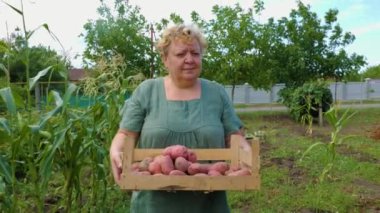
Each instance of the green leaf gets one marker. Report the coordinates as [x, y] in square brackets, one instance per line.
[40, 74]
[70, 90]
[310, 148]
[58, 103]
[15, 9]
[7, 96]
[5, 125]
[47, 158]
[2, 67]
[5, 169]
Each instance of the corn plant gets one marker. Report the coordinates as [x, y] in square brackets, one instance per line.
[337, 123]
[24, 135]
[307, 118]
[109, 86]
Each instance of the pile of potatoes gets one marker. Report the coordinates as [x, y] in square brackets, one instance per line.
[179, 160]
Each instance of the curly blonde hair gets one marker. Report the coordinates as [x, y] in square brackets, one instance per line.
[182, 32]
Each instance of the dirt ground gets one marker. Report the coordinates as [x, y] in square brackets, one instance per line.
[369, 199]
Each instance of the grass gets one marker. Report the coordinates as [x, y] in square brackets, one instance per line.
[288, 184]
[291, 185]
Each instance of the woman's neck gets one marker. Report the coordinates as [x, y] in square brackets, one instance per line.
[182, 91]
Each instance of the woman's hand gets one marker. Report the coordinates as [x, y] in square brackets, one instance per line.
[116, 164]
[116, 152]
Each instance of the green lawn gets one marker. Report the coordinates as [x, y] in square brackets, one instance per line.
[292, 185]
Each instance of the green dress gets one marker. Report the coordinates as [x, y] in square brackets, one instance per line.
[198, 123]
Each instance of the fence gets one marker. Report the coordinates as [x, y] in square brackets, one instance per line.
[350, 91]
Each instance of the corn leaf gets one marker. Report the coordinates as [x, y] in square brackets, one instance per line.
[4, 125]
[310, 148]
[58, 103]
[40, 74]
[5, 169]
[47, 158]
[6, 95]
[15, 9]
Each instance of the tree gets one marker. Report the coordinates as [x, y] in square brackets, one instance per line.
[41, 57]
[310, 50]
[236, 47]
[372, 72]
[119, 32]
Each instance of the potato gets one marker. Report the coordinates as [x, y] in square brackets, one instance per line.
[135, 166]
[195, 168]
[177, 172]
[214, 173]
[240, 172]
[220, 167]
[144, 164]
[154, 167]
[181, 164]
[232, 169]
[166, 164]
[191, 156]
[176, 151]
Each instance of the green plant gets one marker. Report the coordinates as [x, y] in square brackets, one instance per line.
[337, 123]
[307, 99]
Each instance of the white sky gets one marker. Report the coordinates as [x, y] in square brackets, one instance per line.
[67, 17]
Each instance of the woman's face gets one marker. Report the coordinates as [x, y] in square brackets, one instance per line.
[184, 60]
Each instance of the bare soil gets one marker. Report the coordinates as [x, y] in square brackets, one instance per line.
[370, 194]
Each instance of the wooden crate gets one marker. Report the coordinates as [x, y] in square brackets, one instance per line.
[235, 155]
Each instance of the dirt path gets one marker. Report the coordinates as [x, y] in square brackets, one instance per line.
[283, 108]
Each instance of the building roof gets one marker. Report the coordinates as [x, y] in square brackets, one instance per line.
[76, 74]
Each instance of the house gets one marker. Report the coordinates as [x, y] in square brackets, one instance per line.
[76, 75]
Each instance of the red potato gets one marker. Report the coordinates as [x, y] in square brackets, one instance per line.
[191, 156]
[176, 173]
[176, 151]
[214, 173]
[154, 167]
[166, 164]
[195, 168]
[144, 164]
[240, 172]
[181, 164]
[135, 166]
[220, 167]
[232, 169]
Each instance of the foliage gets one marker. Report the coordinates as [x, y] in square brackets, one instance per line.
[310, 50]
[119, 32]
[372, 72]
[306, 100]
[337, 122]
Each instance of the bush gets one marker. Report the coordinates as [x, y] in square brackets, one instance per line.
[306, 99]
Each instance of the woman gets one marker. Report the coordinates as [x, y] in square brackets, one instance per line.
[180, 108]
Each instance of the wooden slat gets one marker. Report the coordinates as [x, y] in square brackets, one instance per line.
[234, 154]
[197, 183]
[202, 154]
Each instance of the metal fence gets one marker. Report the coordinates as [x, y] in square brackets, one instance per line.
[350, 91]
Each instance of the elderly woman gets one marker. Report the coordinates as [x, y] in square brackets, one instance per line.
[180, 108]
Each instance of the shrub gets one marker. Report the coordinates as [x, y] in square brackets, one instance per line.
[305, 100]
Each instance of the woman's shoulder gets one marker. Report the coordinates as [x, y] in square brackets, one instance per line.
[149, 84]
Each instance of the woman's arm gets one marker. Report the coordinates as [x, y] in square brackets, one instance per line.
[116, 151]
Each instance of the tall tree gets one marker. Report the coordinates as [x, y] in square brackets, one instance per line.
[311, 49]
[120, 31]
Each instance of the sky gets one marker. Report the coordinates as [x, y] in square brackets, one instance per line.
[66, 18]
